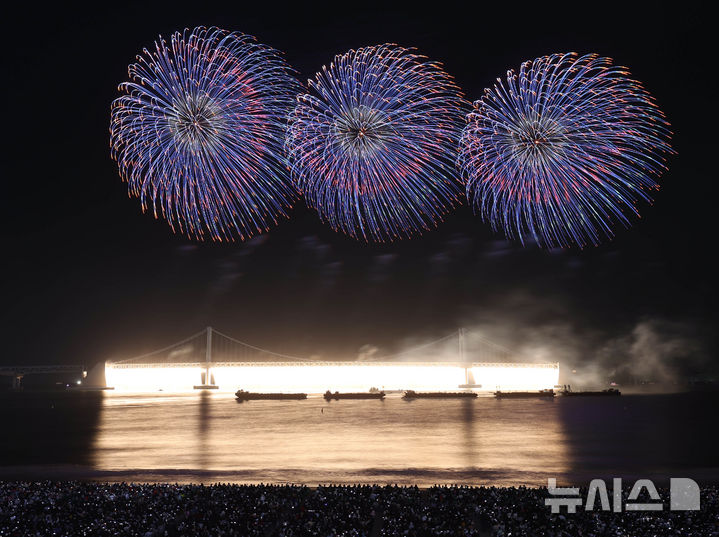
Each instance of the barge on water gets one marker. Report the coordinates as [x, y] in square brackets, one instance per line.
[354, 395]
[523, 395]
[411, 394]
[568, 391]
[242, 395]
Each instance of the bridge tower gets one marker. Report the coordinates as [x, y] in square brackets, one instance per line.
[208, 379]
[208, 355]
[469, 381]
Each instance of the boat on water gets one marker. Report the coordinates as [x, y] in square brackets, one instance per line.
[411, 394]
[610, 391]
[523, 395]
[354, 395]
[242, 395]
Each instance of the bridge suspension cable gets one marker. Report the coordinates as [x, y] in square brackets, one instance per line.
[265, 351]
[164, 349]
[417, 348]
[490, 343]
[212, 350]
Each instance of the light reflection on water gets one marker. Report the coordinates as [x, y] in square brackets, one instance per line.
[313, 441]
[209, 437]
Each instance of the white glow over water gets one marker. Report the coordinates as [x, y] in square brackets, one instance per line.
[341, 377]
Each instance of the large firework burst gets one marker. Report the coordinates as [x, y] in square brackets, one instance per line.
[372, 148]
[199, 131]
[563, 149]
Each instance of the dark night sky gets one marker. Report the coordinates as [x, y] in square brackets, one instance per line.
[87, 276]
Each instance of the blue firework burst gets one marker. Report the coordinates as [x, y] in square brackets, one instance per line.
[372, 146]
[198, 133]
[563, 150]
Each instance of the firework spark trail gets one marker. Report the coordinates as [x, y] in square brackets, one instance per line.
[372, 148]
[563, 149]
[198, 133]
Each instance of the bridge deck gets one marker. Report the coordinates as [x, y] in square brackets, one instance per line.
[334, 364]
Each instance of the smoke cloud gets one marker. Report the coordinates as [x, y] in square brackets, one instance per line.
[649, 351]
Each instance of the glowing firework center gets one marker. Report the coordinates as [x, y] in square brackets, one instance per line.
[372, 144]
[563, 150]
[198, 131]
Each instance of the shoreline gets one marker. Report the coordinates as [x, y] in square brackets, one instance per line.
[409, 477]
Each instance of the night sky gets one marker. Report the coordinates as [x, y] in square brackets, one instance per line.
[88, 277]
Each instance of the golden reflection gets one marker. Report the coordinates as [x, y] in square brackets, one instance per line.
[208, 437]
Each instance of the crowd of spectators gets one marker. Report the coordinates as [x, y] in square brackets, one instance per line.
[152, 510]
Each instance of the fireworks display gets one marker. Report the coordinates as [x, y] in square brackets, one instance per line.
[372, 146]
[563, 150]
[198, 133]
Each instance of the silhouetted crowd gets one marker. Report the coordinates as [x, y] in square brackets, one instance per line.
[154, 510]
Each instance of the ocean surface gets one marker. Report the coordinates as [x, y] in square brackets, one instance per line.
[210, 437]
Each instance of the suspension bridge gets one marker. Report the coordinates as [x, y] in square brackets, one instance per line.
[210, 359]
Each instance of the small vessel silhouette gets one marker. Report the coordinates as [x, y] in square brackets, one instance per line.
[411, 394]
[523, 395]
[242, 395]
[354, 395]
[569, 392]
